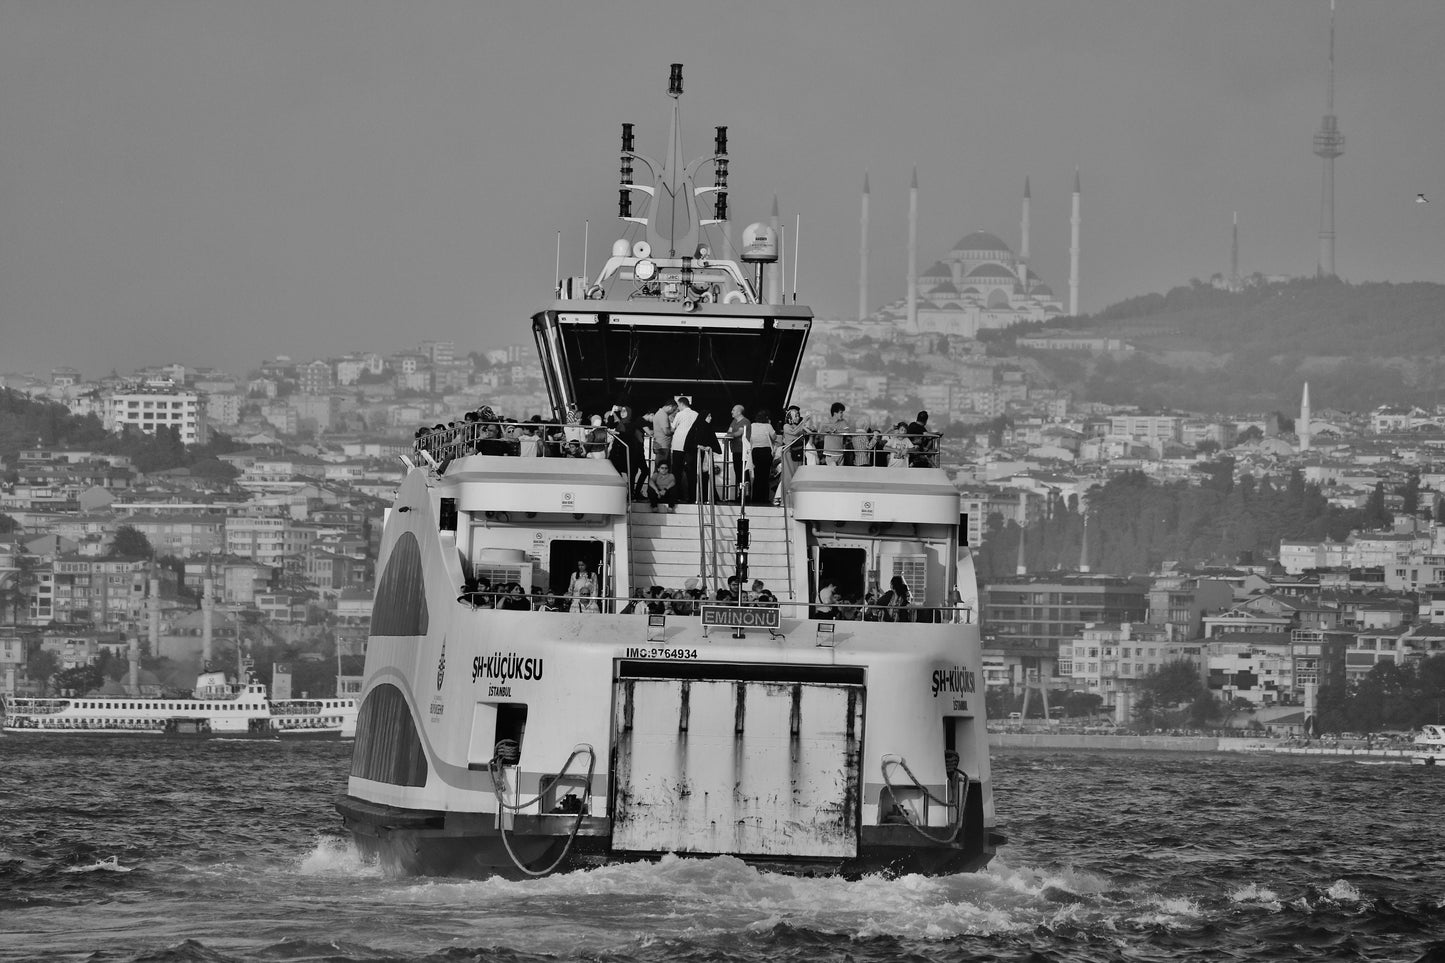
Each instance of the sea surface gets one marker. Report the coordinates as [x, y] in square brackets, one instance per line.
[127, 849]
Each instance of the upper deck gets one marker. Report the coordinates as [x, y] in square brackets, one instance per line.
[599, 353]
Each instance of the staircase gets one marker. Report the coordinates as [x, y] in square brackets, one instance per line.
[665, 548]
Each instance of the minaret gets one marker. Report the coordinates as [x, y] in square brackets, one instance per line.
[1084, 547]
[208, 590]
[1019, 568]
[1024, 240]
[913, 254]
[1329, 144]
[1234, 255]
[863, 254]
[1074, 251]
[1302, 427]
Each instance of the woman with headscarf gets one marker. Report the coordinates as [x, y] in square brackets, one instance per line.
[582, 589]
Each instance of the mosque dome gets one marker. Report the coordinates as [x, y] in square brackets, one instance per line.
[1041, 290]
[944, 288]
[982, 242]
[939, 270]
[991, 270]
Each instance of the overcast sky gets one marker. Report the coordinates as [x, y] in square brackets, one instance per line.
[220, 181]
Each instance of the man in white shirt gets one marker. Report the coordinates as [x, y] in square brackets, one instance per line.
[681, 425]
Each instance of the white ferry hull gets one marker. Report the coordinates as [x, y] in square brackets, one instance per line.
[772, 748]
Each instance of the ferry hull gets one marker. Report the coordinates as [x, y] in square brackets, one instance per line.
[409, 842]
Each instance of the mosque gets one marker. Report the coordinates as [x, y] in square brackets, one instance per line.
[979, 285]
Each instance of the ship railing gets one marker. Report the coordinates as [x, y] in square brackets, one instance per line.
[446, 443]
[549, 439]
[812, 446]
[862, 449]
[680, 604]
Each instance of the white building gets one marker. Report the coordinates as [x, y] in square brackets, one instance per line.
[157, 404]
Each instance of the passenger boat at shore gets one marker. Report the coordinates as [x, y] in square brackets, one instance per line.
[217, 708]
[528, 733]
[1429, 746]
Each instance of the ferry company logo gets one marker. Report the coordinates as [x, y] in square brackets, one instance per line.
[442, 665]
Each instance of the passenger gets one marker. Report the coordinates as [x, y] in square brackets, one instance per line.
[898, 446]
[684, 465]
[529, 442]
[628, 448]
[490, 441]
[867, 444]
[662, 432]
[574, 429]
[827, 597]
[737, 436]
[582, 589]
[925, 443]
[836, 432]
[699, 448]
[637, 605]
[662, 487]
[762, 439]
[516, 599]
[597, 439]
[901, 601]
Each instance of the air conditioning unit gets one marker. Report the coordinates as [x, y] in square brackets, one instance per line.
[501, 565]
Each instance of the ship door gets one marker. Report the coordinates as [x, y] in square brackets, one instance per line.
[562, 558]
[846, 568]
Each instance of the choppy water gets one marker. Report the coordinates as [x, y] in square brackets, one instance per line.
[228, 851]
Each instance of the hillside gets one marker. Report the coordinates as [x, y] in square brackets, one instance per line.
[1358, 345]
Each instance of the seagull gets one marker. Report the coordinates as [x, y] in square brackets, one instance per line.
[1421, 199]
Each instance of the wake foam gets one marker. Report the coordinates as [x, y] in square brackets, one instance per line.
[724, 895]
[110, 864]
[335, 857]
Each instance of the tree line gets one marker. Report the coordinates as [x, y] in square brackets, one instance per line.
[29, 422]
[1135, 523]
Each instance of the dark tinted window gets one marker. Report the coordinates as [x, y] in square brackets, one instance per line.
[400, 607]
[388, 748]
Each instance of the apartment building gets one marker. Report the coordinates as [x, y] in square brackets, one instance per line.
[1048, 613]
[154, 405]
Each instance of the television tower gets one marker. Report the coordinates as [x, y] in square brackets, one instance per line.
[1329, 144]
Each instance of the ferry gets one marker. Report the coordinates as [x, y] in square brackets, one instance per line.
[559, 676]
[1428, 747]
[218, 707]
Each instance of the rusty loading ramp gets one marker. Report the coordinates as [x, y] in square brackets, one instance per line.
[749, 758]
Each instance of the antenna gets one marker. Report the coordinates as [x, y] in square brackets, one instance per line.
[797, 235]
[557, 272]
[586, 225]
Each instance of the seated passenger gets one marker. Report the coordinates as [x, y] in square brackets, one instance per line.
[662, 487]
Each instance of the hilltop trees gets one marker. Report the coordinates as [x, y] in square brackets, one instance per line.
[1135, 523]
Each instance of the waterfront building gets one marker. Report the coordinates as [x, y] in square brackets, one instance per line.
[1046, 612]
[1180, 602]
